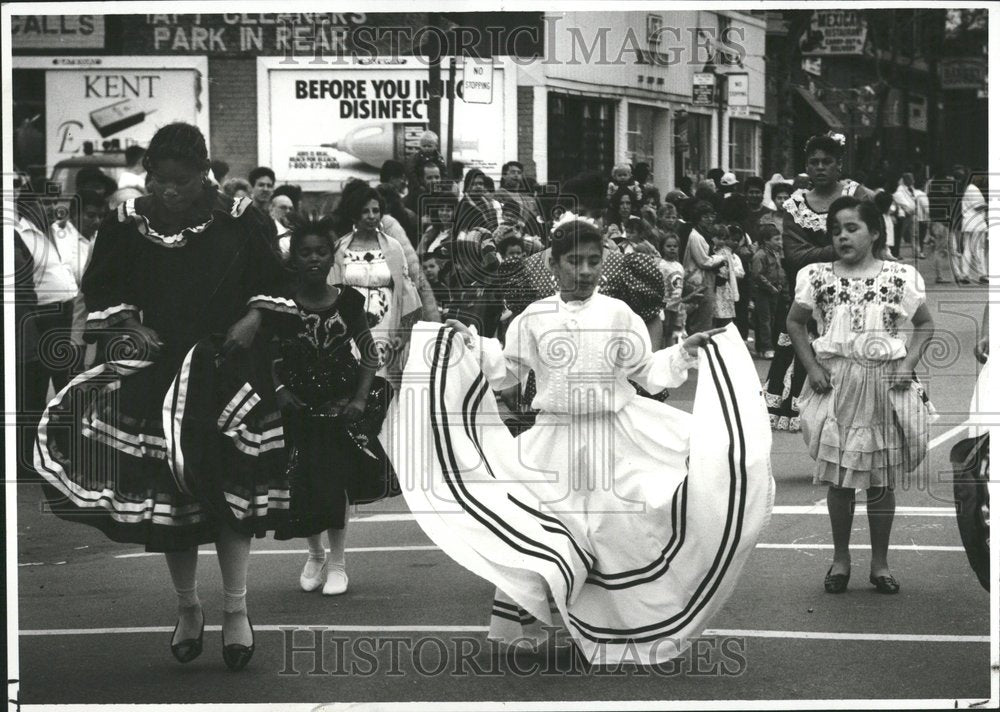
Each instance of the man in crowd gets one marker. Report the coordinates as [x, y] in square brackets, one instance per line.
[729, 183]
[261, 188]
[514, 196]
[281, 210]
[906, 207]
[755, 202]
[429, 176]
[393, 186]
[87, 210]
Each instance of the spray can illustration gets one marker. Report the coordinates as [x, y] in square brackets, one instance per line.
[378, 142]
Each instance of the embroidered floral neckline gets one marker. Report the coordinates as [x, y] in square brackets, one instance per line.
[805, 216]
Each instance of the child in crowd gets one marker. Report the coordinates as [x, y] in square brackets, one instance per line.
[621, 179]
[510, 247]
[435, 268]
[769, 287]
[724, 242]
[673, 281]
[863, 415]
[937, 237]
[333, 406]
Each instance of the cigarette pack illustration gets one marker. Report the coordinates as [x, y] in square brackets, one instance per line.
[117, 117]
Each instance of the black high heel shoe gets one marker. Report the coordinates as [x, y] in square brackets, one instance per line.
[188, 649]
[237, 656]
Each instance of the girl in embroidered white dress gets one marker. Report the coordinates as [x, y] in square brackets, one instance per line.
[860, 376]
[588, 508]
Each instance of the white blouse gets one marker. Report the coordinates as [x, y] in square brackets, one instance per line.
[583, 355]
[860, 317]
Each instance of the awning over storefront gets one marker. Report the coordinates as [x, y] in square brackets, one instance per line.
[828, 117]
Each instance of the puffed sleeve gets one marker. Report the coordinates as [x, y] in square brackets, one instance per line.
[267, 283]
[914, 293]
[804, 291]
[508, 365]
[512, 282]
[654, 370]
[639, 283]
[110, 285]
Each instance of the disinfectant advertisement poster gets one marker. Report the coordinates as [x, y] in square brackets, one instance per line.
[336, 124]
[113, 108]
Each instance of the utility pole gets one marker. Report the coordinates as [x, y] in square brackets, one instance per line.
[432, 49]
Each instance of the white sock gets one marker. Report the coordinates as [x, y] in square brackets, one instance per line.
[234, 600]
[316, 550]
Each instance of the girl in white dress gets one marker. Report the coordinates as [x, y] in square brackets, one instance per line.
[860, 405]
[632, 517]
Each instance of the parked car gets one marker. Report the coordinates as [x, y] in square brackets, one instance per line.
[112, 164]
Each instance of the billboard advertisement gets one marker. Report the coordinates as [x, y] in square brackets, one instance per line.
[113, 107]
[334, 123]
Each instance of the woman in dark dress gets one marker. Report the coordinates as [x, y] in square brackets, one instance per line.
[176, 440]
[334, 406]
[805, 242]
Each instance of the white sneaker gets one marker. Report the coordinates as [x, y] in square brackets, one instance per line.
[336, 582]
[313, 574]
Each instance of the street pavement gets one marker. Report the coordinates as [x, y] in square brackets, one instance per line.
[96, 617]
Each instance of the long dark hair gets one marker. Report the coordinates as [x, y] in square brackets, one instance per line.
[355, 195]
[614, 214]
[867, 211]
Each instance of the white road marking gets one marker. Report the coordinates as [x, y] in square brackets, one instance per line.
[817, 508]
[431, 547]
[784, 634]
[946, 436]
[892, 547]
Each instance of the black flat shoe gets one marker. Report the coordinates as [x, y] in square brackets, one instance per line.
[836, 583]
[237, 656]
[884, 584]
[188, 649]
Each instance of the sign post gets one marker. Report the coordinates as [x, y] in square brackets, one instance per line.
[477, 81]
[739, 89]
[703, 89]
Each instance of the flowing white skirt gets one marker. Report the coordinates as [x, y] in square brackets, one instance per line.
[636, 523]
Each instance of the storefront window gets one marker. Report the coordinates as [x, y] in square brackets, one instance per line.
[692, 146]
[581, 135]
[742, 148]
[640, 135]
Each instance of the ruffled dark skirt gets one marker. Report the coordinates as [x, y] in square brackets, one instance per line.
[332, 464]
[164, 453]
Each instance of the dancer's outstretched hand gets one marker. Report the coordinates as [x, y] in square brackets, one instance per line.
[696, 341]
[462, 329]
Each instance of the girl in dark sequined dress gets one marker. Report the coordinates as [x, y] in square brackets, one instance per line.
[334, 405]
